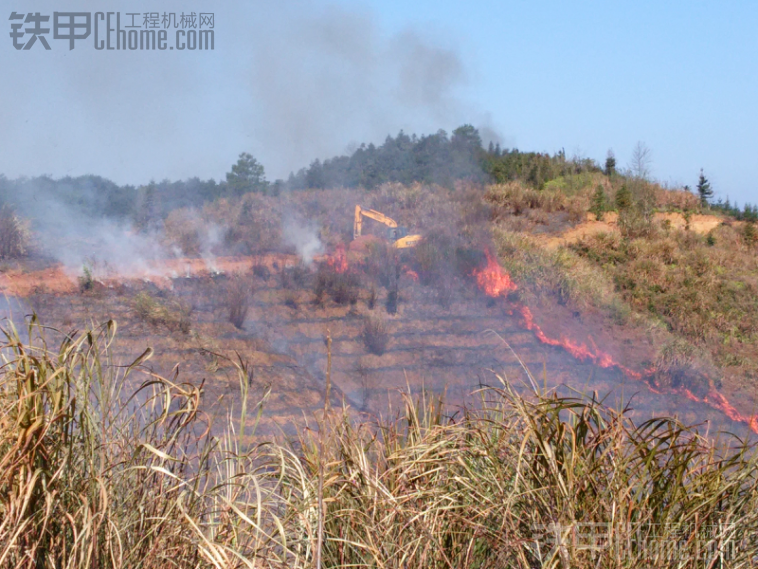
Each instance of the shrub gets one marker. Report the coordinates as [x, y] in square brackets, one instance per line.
[294, 277]
[238, 292]
[371, 300]
[176, 316]
[749, 233]
[86, 280]
[290, 301]
[342, 287]
[261, 271]
[599, 204]
[375, 336]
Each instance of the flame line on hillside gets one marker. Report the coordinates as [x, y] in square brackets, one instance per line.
[495, 282]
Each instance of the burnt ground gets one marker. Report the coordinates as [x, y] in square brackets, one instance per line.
[452, 349]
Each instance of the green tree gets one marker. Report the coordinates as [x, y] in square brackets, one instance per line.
[247, 175]
[623, 198]
[599, 203]
[610, 163]
[704, 189]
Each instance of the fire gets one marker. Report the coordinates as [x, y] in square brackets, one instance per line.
[580, 351]
[492, 279]
[338, 261]
[411, 273]
[495, 282]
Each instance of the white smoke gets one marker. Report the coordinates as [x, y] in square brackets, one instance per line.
[303, 236]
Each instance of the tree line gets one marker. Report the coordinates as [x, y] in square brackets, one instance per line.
[437, 158]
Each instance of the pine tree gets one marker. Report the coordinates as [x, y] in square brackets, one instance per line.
[598, 203]
[610, 164]
[623, 198]
[704, 189]
[247, 175]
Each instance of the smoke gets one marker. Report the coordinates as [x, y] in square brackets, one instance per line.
[211, 236]
[303, 236]
[77, 237]
[288, 82]
[326, 77]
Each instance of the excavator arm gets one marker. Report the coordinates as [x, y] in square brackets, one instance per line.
[400, 238]
[372, 214]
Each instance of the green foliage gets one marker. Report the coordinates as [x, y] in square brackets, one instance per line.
[749, 233]
[86, 279]
[623, 199]
[704, 189]
[704, 290]
[247, 175]
[433, 159]
[535, 169]
[599, 203]
[610, 164]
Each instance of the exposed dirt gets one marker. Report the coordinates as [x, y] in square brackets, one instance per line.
[701, 224]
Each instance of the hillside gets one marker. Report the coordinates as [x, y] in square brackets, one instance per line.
[533, 354]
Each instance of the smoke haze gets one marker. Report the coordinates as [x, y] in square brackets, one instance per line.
[288, 82]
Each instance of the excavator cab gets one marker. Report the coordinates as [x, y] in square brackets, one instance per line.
[395, 233]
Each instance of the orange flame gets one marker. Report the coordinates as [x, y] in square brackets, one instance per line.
[496, 282]
[411, 273]
[579, 351]
[492, 279]
[338, 261]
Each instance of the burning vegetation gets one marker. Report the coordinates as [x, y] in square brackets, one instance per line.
[568, 264]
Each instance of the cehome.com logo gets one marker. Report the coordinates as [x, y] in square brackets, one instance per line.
[133, 31]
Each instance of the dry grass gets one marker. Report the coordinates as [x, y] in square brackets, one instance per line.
[375, 336]
[99, 470]
[238, 293]
[173, 315]
[704, 288]
[14, 235]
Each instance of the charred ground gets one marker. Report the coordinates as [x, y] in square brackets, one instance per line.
[283, 275]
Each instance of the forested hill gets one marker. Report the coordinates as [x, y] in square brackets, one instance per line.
[438, 158]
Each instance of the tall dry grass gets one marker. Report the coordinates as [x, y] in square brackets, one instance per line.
[102, 468]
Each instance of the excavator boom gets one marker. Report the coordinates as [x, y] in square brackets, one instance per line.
[370, 213]
[400, 238]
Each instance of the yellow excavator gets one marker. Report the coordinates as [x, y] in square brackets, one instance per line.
[398, 235]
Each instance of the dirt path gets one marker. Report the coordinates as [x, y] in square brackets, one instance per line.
[700, 224]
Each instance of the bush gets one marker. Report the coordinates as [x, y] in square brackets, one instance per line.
[238, 292]
[342, 287]
[294, 277]
[375, 336]
[749, 233]
[176, 316]
[261, 271]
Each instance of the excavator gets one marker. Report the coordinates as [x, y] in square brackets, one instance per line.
[398, 235]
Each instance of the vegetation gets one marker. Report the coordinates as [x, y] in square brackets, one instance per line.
[100, 469]
[704, 190]
[375, 336]
[705, 291]
[174, 315]
[14, 236]
[238, 292]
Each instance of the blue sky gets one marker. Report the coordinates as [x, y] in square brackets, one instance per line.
[680, 76]
[293, 81]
